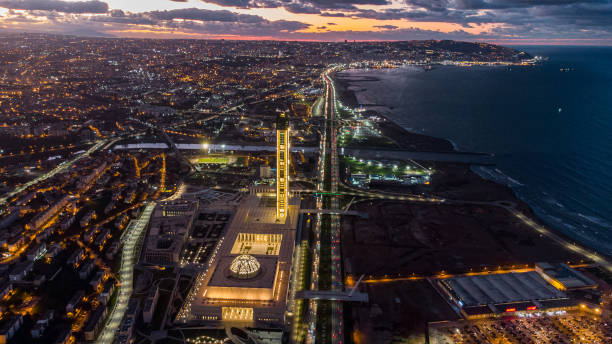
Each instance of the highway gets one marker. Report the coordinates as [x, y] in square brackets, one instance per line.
[316, 254]
[60, 168]
[336, 254]
[128, 259]
[329, 172]
[316, 249]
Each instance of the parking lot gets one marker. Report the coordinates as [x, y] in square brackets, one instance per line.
[546, 327]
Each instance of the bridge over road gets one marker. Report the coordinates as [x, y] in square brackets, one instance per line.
[334, 212]
[331, 295]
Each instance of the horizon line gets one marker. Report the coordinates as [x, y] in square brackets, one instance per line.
[501, 41]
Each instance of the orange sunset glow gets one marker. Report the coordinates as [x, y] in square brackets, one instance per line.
[539, 22]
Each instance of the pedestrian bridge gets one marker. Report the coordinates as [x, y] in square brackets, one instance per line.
[346, 296]
[334, 212]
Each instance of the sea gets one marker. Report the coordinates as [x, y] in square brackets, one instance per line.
[549, 127]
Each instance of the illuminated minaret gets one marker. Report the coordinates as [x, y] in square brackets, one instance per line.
[282, 166]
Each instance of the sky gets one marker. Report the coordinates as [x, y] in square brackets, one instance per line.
[511, 22]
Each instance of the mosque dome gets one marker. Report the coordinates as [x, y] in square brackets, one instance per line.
[245, 266]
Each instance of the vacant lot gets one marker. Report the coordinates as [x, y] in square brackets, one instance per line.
[426, 239]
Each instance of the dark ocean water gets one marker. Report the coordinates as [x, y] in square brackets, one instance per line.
[550, 130]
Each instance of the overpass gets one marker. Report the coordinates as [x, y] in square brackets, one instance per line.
[334, 212]
[331, 295]
[335, 295]
[173, 146]
[212, 147]
[369, 194]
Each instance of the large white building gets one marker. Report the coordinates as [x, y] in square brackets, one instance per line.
[247, 279]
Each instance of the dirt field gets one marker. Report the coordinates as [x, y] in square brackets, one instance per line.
[425, 239]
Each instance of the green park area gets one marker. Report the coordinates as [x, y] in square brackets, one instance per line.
[214, 160]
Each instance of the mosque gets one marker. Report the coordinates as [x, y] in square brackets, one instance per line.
[247, 280]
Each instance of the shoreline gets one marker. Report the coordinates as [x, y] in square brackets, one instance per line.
[428, 143]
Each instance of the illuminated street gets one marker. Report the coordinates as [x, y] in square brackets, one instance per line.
[128, 259]
[328, 182]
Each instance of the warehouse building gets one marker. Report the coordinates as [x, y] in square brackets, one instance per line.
[504, 294]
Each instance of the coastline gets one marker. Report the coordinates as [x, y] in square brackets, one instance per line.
[414, 141]
[425, 143]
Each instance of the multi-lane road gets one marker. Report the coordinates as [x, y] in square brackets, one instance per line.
[328, 187]
[336, 255]
[316, 247]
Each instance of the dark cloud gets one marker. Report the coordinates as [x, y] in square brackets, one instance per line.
[333, 14]
[441, 5]
[301, 8]
[551, 13]
[206, 22]
[265, 28]
[90, 6]
[130, 18]
[205, 15]
[386, 27]
[232, 3]
[117, 13]
[249, 3]
[342, 4]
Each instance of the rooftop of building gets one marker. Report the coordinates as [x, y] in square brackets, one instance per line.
[501, 288]
[264, 278]
[271, 244]
[568, 277]
[260, 213]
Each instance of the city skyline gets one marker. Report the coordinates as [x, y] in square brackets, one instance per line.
[511, 22]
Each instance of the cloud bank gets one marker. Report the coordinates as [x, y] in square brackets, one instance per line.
[582, 21]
